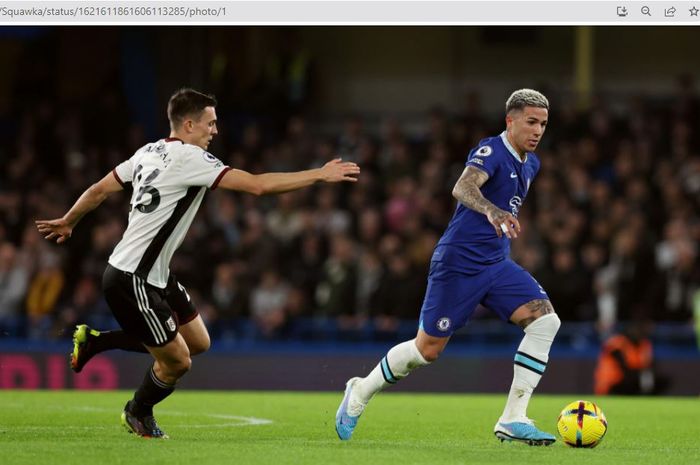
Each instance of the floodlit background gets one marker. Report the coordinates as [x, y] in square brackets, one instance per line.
[331, 276]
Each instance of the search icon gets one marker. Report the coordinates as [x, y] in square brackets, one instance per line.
[646, 10]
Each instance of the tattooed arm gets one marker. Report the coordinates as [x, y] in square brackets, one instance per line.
[468, 192]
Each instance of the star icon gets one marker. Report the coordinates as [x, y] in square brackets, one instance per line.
[693, 11]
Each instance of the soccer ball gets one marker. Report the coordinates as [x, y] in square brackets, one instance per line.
[582, 424]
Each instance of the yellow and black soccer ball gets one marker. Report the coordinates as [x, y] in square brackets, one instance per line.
[582, 424]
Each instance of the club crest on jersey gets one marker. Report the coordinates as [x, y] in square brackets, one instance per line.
[515, 204]
[484, 151]
[170, 323]
[443, 324]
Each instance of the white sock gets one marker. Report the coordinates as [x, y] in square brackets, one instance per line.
[529, 365]
[397, 364]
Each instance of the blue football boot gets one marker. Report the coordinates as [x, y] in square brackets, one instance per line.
[345, 423]
[523, 431]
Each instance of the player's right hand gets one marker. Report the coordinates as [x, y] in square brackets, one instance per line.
[58, 229]
[337, 170]
[504, 223]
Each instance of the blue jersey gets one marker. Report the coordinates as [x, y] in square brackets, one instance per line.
[470, 241]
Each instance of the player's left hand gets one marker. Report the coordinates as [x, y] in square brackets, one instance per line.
[338, 170]
[58, 229]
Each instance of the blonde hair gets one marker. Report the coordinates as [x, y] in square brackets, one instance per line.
[522, 98]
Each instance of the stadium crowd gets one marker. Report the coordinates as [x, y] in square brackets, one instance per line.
[611, 226]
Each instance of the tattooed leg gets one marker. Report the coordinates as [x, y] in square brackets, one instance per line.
[526, 314]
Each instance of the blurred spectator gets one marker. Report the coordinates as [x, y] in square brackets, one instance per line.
[328, 218]
[400, 203]
[337, 288]
[369, 278]
[286, 221]
[626, 364]
[43, 294]
[14, 279]
[268, 304]
[567, 285]
[224, 214]
[351, 139]
[626, 282]
[81, 308]
[230, 295]
[400, 295]
[677, 260]
[257, 247]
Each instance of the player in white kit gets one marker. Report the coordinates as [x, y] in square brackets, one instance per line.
[169, 179]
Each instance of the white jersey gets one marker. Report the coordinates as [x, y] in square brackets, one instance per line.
[169, 179]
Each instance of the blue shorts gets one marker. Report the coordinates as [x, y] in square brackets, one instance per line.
[452, 295]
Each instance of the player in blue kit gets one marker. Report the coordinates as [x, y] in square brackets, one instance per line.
[471, 266]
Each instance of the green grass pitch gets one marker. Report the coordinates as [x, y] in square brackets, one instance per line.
[75, 427]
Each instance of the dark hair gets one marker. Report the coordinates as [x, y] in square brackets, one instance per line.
[187, 102]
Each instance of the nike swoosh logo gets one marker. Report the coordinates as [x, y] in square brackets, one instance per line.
[513, 175]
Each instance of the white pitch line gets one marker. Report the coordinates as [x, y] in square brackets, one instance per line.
[238, 419]
[247, 420]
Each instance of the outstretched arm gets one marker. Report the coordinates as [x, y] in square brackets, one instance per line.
[62, 228]
[468, 192]
[275, 183]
